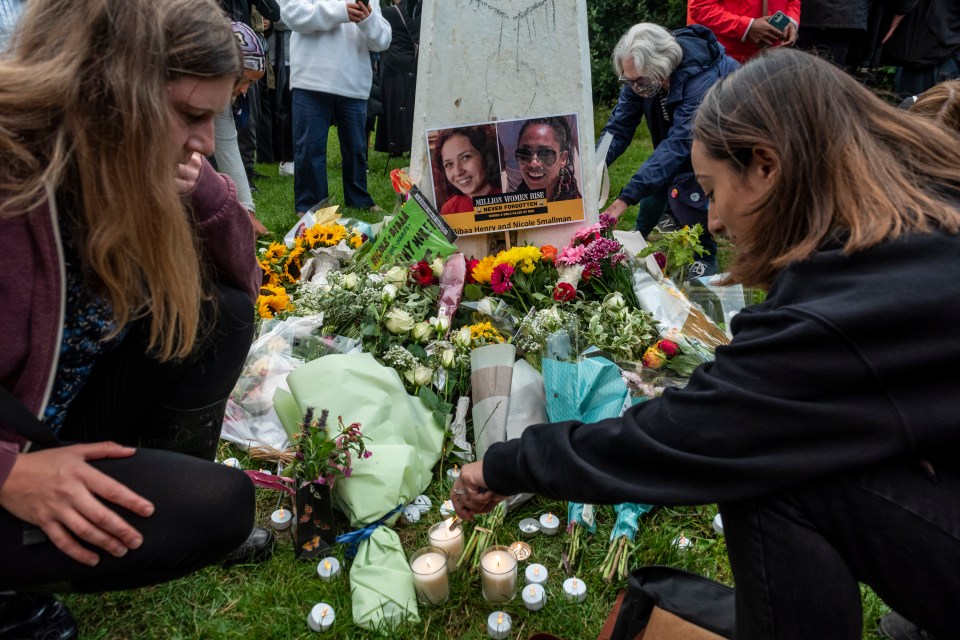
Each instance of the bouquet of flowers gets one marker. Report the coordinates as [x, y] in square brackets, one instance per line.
[593, 264]
[320, 457]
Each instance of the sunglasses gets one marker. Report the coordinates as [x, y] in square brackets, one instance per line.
[545, 155]
[643, 87]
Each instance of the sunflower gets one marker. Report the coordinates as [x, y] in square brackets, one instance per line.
[484, 269]
[330, 235]
[273, 299]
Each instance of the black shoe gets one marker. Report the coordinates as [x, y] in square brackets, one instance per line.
[256, 175]
[253, 187]
[895, 626]
[258, 547]
[667, 223]
[24, 617]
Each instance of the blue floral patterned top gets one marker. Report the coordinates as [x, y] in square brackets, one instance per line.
[87, 319]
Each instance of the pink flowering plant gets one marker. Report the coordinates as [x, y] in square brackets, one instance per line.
[603, 262]
[320, 456]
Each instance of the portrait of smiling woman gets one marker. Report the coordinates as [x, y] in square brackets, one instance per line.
[544, 153]
[466, 166]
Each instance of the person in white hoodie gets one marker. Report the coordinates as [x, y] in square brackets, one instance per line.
[330, 76]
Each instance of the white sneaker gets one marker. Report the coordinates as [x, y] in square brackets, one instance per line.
[286, 169]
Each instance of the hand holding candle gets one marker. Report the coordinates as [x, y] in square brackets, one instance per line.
[470, 495]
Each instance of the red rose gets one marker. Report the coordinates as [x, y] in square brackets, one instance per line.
[669, 348]
[564, 292]
[471, 265]
[422, 273]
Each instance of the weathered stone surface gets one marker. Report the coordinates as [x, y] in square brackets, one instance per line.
[483, 60]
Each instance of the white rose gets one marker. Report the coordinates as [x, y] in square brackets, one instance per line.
[398, 321]
[420, 375]
[350, 281]
[389, 293]
[461, 337]
[614, 301]
[437, 266]
[441, 324]
[421, 332]
[448, 358]
[398, 275]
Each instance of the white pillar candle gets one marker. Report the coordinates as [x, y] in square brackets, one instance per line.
[498, 577]
[321, 617]
[281, 519]
[449, 540]
[549, 524]
[328, 569]
[536, 574]
[430, 579]
[575, 589]
[498, 625]
[232, 462]
[534, 597]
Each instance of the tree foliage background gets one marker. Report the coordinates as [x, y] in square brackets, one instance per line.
[607, 20]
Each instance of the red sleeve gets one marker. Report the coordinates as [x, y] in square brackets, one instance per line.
[723, 23]
[793, 10]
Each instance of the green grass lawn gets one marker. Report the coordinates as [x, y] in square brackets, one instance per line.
[272, 600]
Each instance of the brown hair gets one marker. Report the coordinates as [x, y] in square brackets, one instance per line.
[484, 140]
[941, 104]
[84, 113]
[853, 169]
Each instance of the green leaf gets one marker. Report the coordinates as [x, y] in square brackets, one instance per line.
[472, 292]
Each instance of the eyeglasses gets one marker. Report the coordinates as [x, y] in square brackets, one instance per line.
[643, 87]
[545, 155]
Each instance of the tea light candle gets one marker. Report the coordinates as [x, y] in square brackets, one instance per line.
[498, 578]
[448, 540]
[682, 543]
[575, 590]
[430, 579]
[321, 617]
[718, 524]
[521, 550]
[453, 474]
[266, 471]
[498, 625]
[328, 569]
[536, 574]
[529, 527]
[446, 509]
[281, 519]
[549, 524]
[534, 597]
[232, 462]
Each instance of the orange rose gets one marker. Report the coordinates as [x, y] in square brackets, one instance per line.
[653, 358]
[548, 253]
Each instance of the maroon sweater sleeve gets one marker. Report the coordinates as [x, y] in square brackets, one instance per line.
[225, 232]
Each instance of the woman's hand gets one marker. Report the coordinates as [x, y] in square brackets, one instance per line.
[470, 495]
[357, 11]
[57, 490]
[188, 173]
[762, 33]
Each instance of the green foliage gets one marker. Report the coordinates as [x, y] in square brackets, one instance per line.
[681, 248]
[608, 20]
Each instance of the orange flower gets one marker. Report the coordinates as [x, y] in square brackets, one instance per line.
[653, 358]
[548, 253]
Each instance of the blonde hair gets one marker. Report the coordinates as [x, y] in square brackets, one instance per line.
[84, 111]
[941, 103]
[853, 169]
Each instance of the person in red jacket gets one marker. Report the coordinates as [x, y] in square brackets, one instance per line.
[742, 26]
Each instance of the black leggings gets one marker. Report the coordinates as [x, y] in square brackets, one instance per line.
[203, 510]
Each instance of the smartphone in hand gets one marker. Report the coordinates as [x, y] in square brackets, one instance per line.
[780, 20]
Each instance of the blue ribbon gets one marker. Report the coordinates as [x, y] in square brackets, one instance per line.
[354, 538]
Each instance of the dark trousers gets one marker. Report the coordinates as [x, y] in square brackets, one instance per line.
[203, 510]
[798, 556]
[313, 113]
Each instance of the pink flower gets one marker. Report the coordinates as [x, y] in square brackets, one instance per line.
[564, 292]
[571, 255]
[586, 235]
[660, 258]
[607, 221]
[500, 278]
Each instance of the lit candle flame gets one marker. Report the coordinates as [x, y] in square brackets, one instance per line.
[323, 614]
[326, 565]
[427, 562]
[574, 584]
[533, 591]
[549, 517]
[281, 513]
[456, 469]
[499, 619]
[536, 571]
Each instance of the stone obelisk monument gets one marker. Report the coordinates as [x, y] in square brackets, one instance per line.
[485, 60]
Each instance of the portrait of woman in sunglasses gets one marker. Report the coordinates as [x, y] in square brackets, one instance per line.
[545, 153]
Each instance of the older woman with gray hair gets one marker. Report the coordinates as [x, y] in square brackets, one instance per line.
[664, 76]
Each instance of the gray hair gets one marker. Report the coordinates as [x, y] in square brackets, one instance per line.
[654, 50]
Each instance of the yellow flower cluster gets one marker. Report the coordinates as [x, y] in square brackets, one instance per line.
[484, 333]
[273, 299]
[523, 258]
[323, 235]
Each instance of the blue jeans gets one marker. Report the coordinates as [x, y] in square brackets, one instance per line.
[313, 113]
[799, 555]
